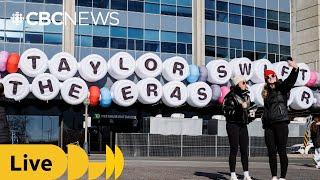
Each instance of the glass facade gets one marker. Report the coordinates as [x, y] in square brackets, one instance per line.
[249, 28]
[160, 26]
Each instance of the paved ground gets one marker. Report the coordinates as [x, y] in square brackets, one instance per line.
[210, 168]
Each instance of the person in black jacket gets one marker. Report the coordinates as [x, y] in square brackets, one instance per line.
[315, 137]
[236, 110]
[275, 117]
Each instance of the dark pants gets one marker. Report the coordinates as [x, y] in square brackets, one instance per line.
[276, 137]
[238, 135]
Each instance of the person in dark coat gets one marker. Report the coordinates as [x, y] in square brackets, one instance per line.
[315, 137]
[236, 110]
[275, 117]
[4, 126]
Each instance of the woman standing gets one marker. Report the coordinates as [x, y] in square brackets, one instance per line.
[236, 110]
[315, 137]
[275, 117]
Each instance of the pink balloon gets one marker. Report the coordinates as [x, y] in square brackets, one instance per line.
[224, 91]
[4, 55]
[313, 79]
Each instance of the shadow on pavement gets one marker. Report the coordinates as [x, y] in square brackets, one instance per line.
[218, 176]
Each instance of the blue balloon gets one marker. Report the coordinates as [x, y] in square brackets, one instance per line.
[194, 73]
[106, 99]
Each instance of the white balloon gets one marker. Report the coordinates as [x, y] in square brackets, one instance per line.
[199, 94]
[124, 93]
[301, 98]
[45, 87]
[63, 66]
[251, 93]
[258, 70]
[33, 62]
[256, 91]
[74, 91]
[93, 68]
[175, 93]
[148, 65]
[282, 69]
[242, 66]
[175, 69]
[304, 74]
[16, 86]
[121, 65]
[219, 71]
[150, 91]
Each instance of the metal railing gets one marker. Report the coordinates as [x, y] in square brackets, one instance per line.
[154, 145]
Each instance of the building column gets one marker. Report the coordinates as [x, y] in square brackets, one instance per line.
[198, 32]
[68, 38]
[305, 32]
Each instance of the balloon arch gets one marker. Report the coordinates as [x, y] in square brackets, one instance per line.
[184, 83]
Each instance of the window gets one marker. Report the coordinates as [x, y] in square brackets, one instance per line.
[285, 17]
[152, 35]
[54, 1]
[168, 10]
[210, 15]
[101, 3]
[248, 21]
[181, 48]
[210, 40]
[168, 47]
[248, 45]
[184, 2]
[100, 30]
[261, 47]
[119, 4]
[168, 36]
[83, 3]
[210, 51]
[235, 8]
[284, 26]
[247, 10]
[261, 23]
[184, 37]
[139, 45]
[118, 31]
[152, 46]
[260, 55]
[184, 11]
[249, 55]
[273, 15]
[135, 33]
[210, 4]
[152, 8]
[273, 25]
[222, 42]
[172, 2]
[136, 6]
[84, 41]
[52, 38]
[273, 48]
[135, 44]
[118, 43]
[222, 17]
[235, 44]
[260, 12]
[222, 52]
[235, 19]
[189, 48]
[102, 42]
[222, 6]
[285, 50]
[34, 38]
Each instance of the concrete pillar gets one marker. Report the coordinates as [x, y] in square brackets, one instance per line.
[305, 32]
[68, 37]
[198, 32]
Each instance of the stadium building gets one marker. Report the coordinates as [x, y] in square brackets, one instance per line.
[197, 30]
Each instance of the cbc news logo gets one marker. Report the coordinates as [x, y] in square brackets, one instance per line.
[50, 162]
